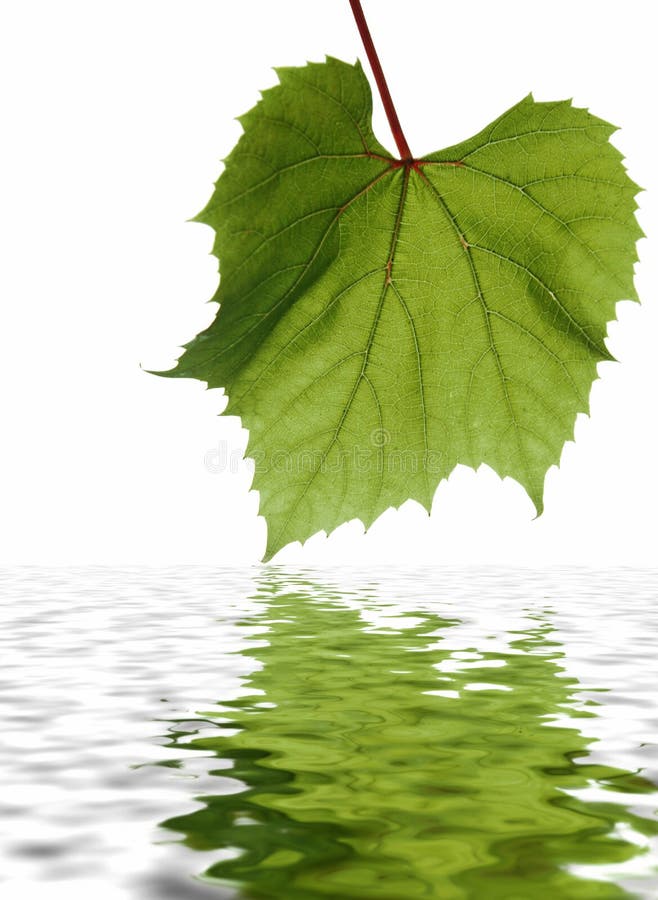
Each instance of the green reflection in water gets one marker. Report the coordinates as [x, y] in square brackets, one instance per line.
[362, 783]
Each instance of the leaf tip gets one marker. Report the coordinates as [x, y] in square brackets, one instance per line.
[282, 73]
[165, 373]
[538, 503]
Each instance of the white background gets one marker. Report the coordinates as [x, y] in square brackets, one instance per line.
[114, 118]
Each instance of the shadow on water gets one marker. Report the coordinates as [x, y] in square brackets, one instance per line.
[373, 762]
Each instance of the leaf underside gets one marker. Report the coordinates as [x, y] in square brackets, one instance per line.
[381, 322]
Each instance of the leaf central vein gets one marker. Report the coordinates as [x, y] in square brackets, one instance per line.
[366, 355]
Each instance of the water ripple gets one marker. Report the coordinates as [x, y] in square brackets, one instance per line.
[435, 733]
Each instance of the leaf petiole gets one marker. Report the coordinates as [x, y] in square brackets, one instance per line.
[389, 107]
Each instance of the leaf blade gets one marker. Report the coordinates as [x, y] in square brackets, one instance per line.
[382, 322]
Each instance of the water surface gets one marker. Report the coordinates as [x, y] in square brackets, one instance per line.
[265, 733]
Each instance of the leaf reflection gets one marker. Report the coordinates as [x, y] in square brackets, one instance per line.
[376, 761]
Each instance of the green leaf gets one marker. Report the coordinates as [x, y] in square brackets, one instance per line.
[381, 322]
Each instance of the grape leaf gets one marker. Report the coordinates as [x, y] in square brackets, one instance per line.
[382, 321]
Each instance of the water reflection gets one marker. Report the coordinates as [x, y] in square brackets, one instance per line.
[370, 758]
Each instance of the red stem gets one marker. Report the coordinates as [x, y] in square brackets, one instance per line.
[384, 93]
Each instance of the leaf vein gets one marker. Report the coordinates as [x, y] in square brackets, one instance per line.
[366, 355]
[307, 265]
[537, 131]
[522, 191]
[486, 313]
